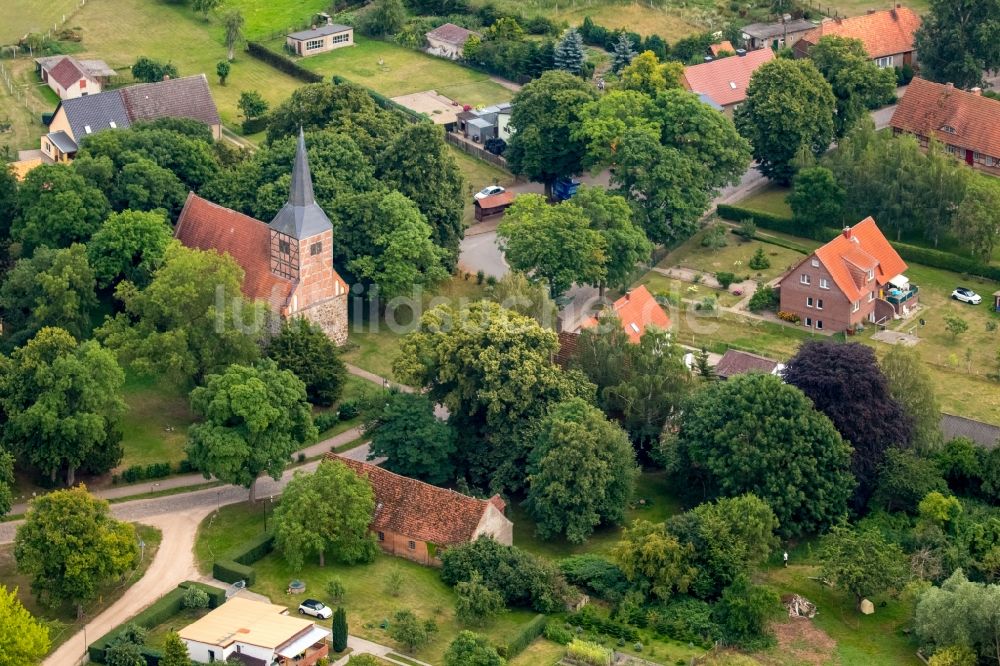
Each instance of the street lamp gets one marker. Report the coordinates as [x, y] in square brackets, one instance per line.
[270, 501]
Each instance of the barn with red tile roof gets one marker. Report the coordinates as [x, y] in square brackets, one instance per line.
[888, 35]
[857, 277]
[967, 123]
[725, 81]
[417, 521]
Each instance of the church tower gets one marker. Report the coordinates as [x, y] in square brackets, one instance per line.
[301, 250]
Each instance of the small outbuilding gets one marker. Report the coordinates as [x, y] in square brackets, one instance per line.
[320, 39]
[493, 205]
[448, 40]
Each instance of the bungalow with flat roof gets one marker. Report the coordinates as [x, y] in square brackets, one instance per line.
[775, 35]
[725, 81]
[448, 40]
[967, 123]
[481, 125]
[319, 39]
[255, 633]
[888, 35]
[418, 521]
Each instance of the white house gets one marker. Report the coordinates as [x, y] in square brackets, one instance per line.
[261, 634]
[71, 78]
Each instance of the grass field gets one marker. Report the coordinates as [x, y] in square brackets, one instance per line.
[541, 652]
[154, 428]
[221, 531]
[264, 17]
[771, 200]
[21, 17]
[62, 621]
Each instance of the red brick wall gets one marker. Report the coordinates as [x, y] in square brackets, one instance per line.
[836, 313]
[316, 276]
[399, 545]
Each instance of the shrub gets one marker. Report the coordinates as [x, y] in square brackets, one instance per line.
[348, 410]
[591, 620]
[254, 125]
[236, 566]
[216, 595]
[592, 654]
[759, 260]
[725, 279]
[789, 317]
[747, 229]
[326, 421]
[557, 633]
[335, 590]
[707, 304]
[596, 575]
[759, 218]
[195, 598]
[904, 74]
[282, 63]
[765, 298]
[715, 237]
[688, 621]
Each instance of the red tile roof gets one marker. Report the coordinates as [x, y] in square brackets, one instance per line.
[864, 246]
[724, 45]
[496, 200]
[926, 108]
[208, 226]
[636, 310]
[66, 73]
[419, 510]
[726, 80]
[451, 34]
[885, 32]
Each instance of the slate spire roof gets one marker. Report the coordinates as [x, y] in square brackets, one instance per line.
[301, 217]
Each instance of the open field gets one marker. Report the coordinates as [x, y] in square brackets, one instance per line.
[734, 258]
[394, 70]
[541, 652]
[666, 19]
[62, 620]
[771, 200]
[21, 17]
[264, 17]
[154, 429]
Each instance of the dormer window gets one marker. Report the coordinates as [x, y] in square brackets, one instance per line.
[732, 84]
[871, 274]
[113, 124]
[948, 128]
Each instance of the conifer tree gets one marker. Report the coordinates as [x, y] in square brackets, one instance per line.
[623, 53]
[339, 637]
[569, 55]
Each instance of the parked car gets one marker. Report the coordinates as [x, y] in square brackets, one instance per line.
[316, 609]
[966, 295]
[488, 191]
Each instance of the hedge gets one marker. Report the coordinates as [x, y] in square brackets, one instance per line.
[913, 253]
[236, 565]
[384, 101]
[285, 64]
[530, 632]
[216, 595]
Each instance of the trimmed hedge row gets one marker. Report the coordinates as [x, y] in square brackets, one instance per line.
[530, 632]
[919, 255]
[285, 64]
[384, 101]
[236, 566]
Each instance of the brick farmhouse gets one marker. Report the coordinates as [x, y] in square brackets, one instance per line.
[725, 81]
[419, 521]
[855, 278]
[287, 263]
[888, 35]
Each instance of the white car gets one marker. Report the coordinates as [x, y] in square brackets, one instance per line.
[488, 191]
[966, 296]
[316, 609]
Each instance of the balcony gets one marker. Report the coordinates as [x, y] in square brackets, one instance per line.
[898, 296]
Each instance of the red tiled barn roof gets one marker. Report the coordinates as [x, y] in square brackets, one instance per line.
[418, 510]
[864, 246]
[883, 33]
[726, 80]
[927, 107]
[208, 226]
[451, 34]
[66, 73]
[636, 310]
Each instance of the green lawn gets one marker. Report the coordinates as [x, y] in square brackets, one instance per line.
[661, 284]
[154, 428]
[734, 258]
[541, 652]
[158, 634]
[264, 17]
[652, 501]
[23, 16]
[404, 71]
[228, 527]
[769, 200]
[355, 389]
[670, 20]
[62, 620]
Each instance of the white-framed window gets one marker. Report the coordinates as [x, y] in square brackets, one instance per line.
[342, 38]
[805, 279]
[950, 149]
[314, 44]
[819, 304]
[815, 263]
[855, 306]
[809, 301]
[809, 321]
[824, 283]
[871, 296]
[884, 63]
[819, 324]
[871, 274]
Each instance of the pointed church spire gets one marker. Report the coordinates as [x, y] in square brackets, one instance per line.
[301, 217]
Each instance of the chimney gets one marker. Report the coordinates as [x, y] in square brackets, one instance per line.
[949, 85]
[977, 91]
[870, 12]
[847, 232]
[166, 77]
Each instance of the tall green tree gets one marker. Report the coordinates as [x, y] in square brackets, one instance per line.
[6, 482]
[788, 105]
[233, 22]
[475, 603]
[148, 70]
[816, 200]
[862, 562]
[756, 434]
[130, 246]
[978, 220]
[327, 511]
[542, 146]
[911, 385]
[175, 326]
[50, 288]
[205, 6]
[515, 292]
[419, 164]
[338, 639]
[470, 649]
[8, 201]
[858, 83]
[384, 18]
[745, 613]
[646, 74]
[255, 418]
[25, 640]
[409, 630]
[569, 55]
[144, 185]
[958, 40]
[554, 243]
[62, 401]
[416, 443]
[304, 349]
[581, 472]
[252, 104]
[623, 53]
[175, 652]
[653, 561]
[492, 368]
[69, 545]
[960, 612]
[625, 243]
[56, 208]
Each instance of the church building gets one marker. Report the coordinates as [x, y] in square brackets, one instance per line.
[287, 263]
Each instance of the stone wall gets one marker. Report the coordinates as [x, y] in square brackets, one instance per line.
[331, 316]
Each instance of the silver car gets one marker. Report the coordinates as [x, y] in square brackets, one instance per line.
[966, 295]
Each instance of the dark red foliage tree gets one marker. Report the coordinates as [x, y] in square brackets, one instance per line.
[845, 382]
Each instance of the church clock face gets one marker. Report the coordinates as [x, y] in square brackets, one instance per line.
[284, 255]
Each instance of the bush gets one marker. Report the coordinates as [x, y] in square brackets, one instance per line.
[140, 472]
[282, 63]
[790, 317]
[348, 410]
[765, 298]
[229, 571]
[591, 620]
[759, 218]
[326, 421]
[236, 566]
[254, 125]
[688, 621]
[725, 279]
[335, 590]
[715, 237]
[904, 74]
[596, 575]
[557, 633]
[216, 595]
[759, 260]
[747, 230]
[495, 145]
[528, 633]
[592, 654]
[195, 598]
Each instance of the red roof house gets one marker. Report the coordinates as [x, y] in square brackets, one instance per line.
[857, 277]
[417, 521]
[725, 81]
[637, 310]
[888, 35]
[967, 123]
[725, 46]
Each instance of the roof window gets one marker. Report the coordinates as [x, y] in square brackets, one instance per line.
[113, 124]
[86, 128]
[948, 128]
[732, 84]
[634, 327]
